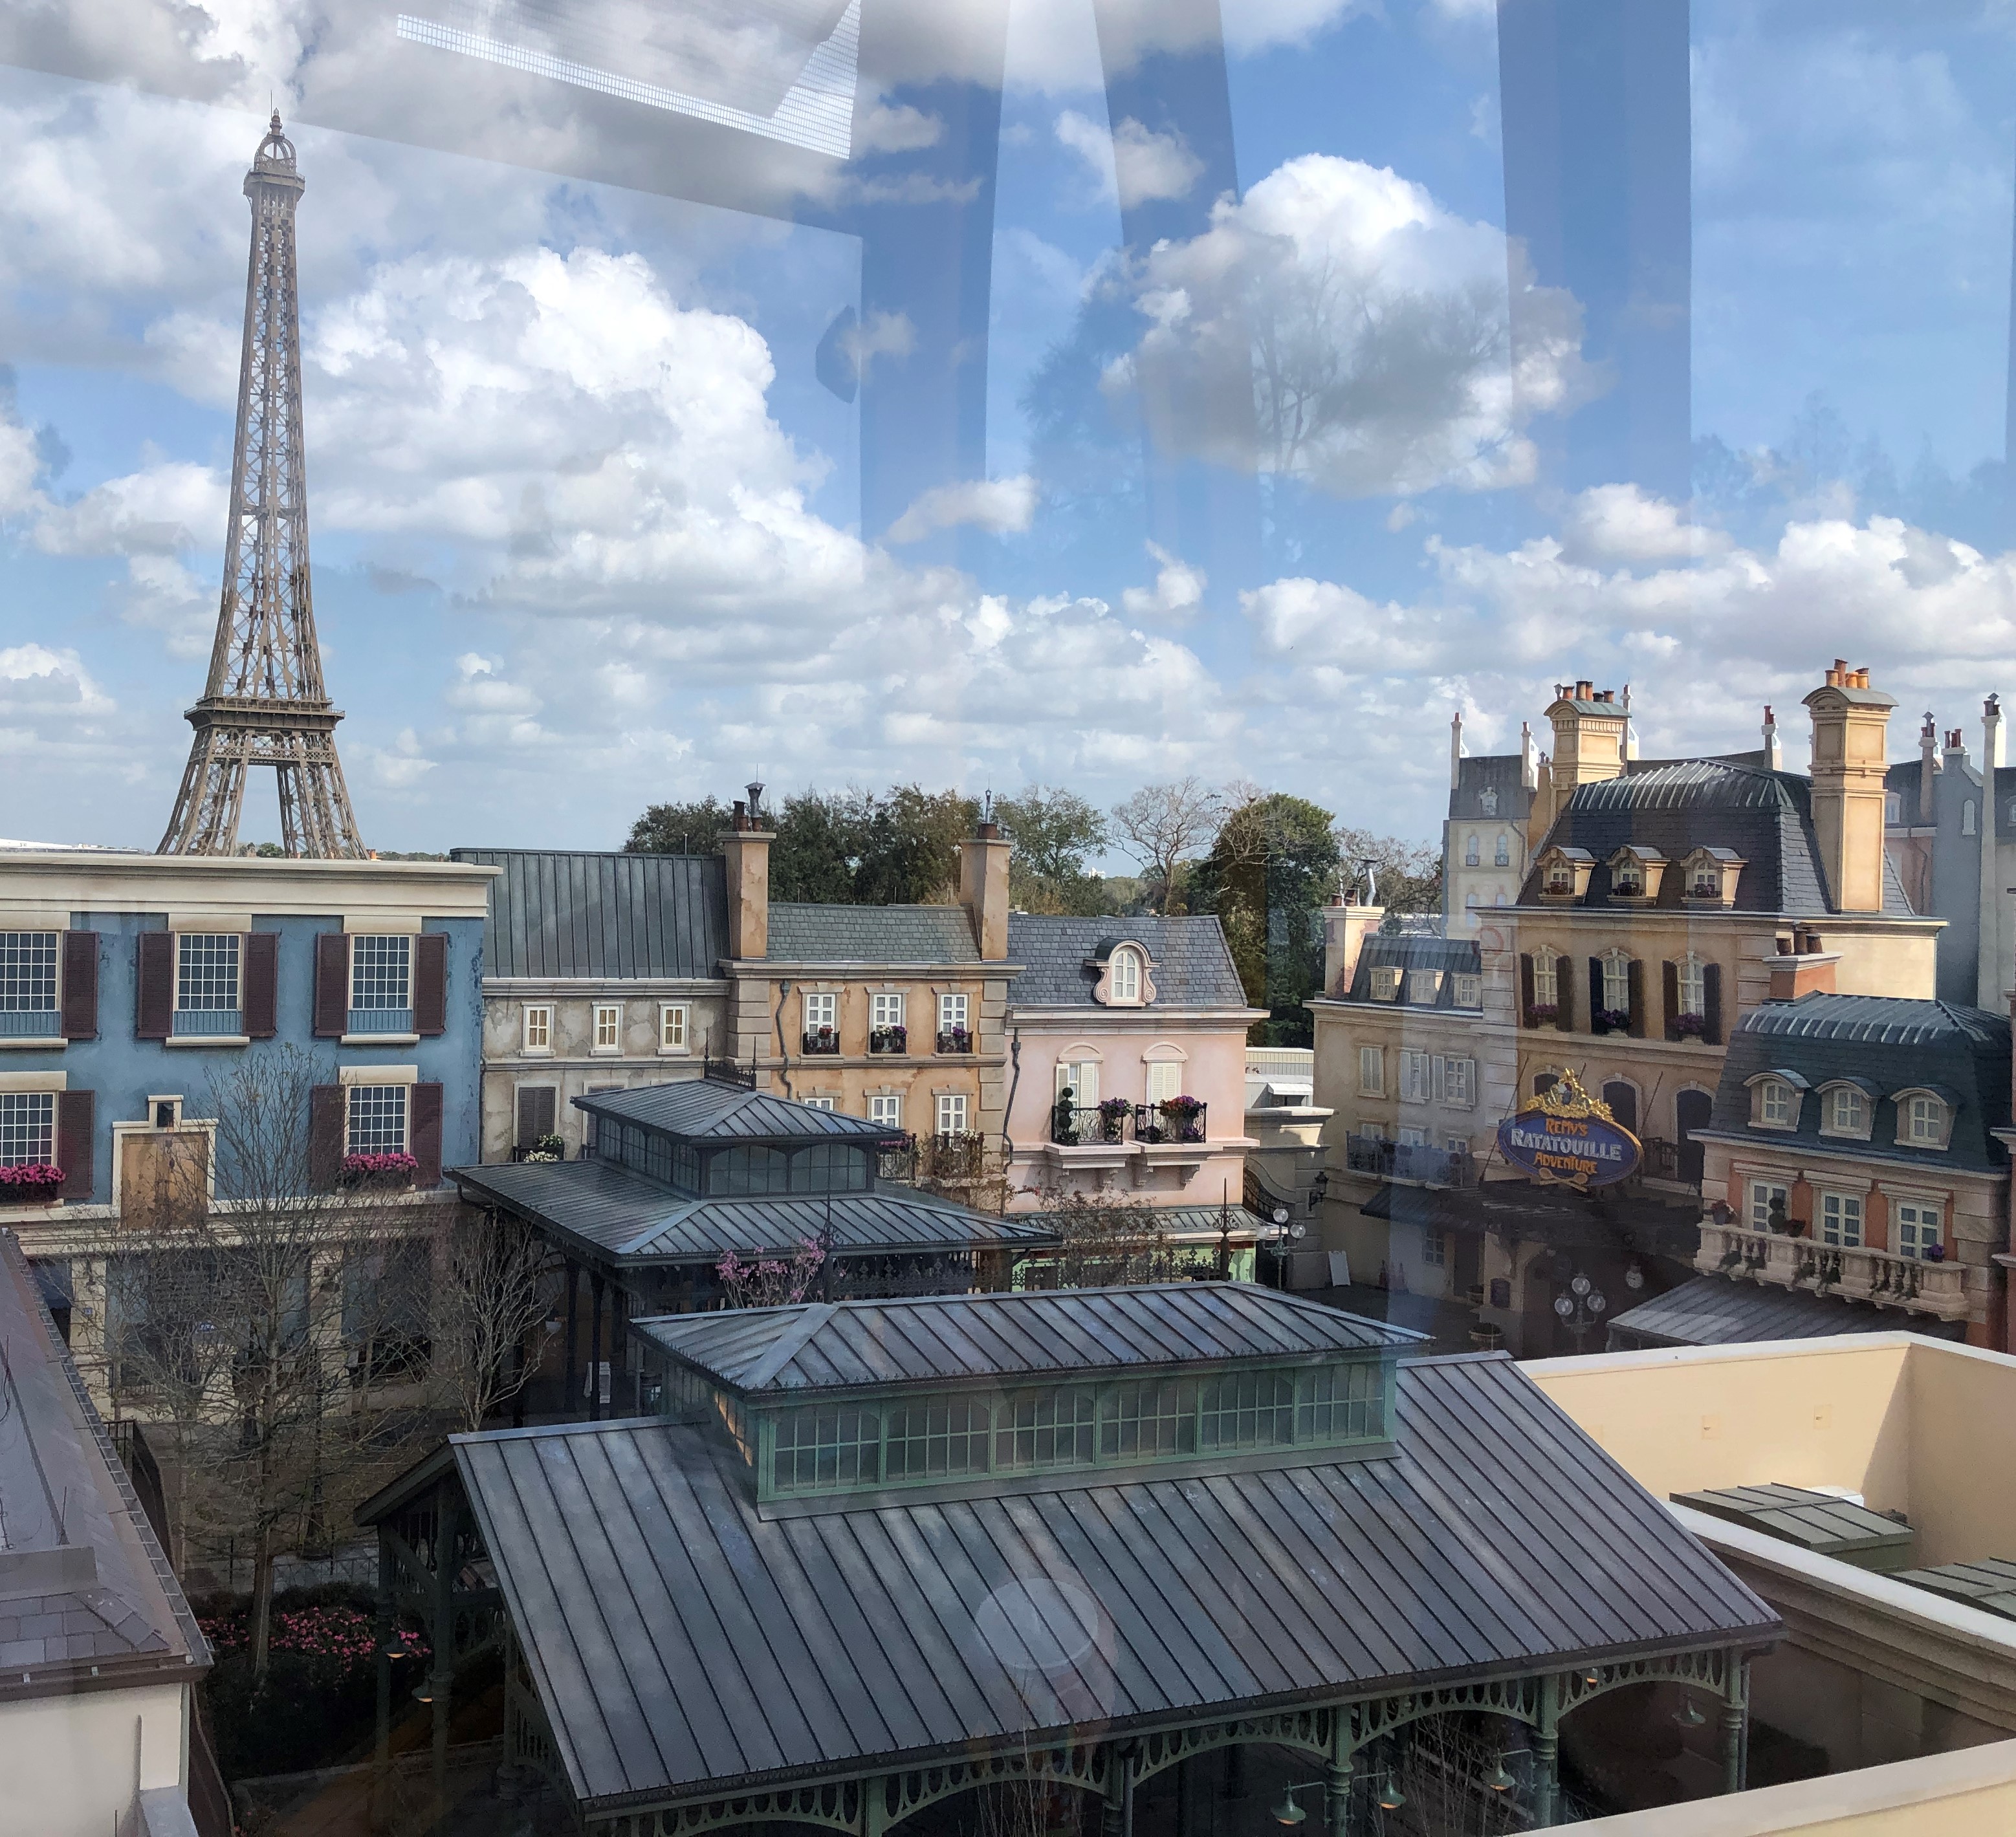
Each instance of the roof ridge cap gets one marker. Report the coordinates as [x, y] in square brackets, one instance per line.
[787, 1345]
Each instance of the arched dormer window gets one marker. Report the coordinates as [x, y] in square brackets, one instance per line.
[1846, 1110]
[1924, 1119]
[1125, 989]
[1775, 1099]
[1126, 974]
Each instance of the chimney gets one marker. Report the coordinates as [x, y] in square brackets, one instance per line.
[1630, 730]
[1588, 747]
[1346, 926]
[1806, 970]
[1989, 974]
[983, 887]
[1929, 766]
[746, 847]
[1455, 749]
[1774, 754]
[1851, 730]
[1529, 757]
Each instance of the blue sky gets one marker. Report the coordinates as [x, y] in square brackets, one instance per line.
[588, 524]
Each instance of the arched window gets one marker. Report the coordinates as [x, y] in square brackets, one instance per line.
[1547, 979]
[1469, 855]
[1893, 807]
[1124, 981]
[1845, 1111]
[1617, 982]
[1690, 986]
[1501, 856]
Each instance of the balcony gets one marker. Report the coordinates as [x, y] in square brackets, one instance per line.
[888, 1040]
[1096, 1126]
[955, 1040]
[1670, 1161]
[1171, 1122]
[201, 1023]
[1854, 1273]
[378, 1020]
[30, 1024]
[821, 1039]
[1410, 1161]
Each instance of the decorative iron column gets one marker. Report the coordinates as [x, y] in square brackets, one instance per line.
[1735, 1721]
[1337, 1775]
[263, 702]
[1546, 1754]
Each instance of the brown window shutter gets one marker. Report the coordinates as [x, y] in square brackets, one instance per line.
[536, 1104]
[75, 1110]
[332, 987]
[423, 1132]
[260, 996]
[325, 1120]
[1712, 1000]
[1525, 988]
[1669, 990]
[1565, 993]
[154, 986]
[1637, 985]
[1596, 995]
[430, 982]
[80, 985]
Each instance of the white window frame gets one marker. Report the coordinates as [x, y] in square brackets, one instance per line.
[358, 954]
[1616, 980]
[953, 1012]
[236, 940]
[1424, 986]
[1456, 1081]
[885, 1111]
[1761, 1192]
[1855, 1128]
[817, 1009]
[1501, 856]
[50, 1098]
[885, 1009]
[1416, 1075]
[1081, 1076]
[1546, 979]
[1372, 1061]
[536, 1030]
[350, 1096]
[1386, 981]
[1471, 856]
[1772, 1093]
[820, 1103]
[1690, 984]
[1124, 974]
[1927, 1227]
[39, 938]
[1469, 992]
[1435, 1247]
[1412, 1135]
[950, 1112]
[675, 1029]
[607, 1016]
[1923, 1107]
[1159, 1072]
[1841, 1220]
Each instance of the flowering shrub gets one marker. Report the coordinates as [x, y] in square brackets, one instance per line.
[769, 1283]
[1690, 1026]
[1614, 1020]
[343, 1636]
[889, 1040]
[32, 1180]
[955, 1040]
[377, 1167]
[1541, 1013]
[821, 1039]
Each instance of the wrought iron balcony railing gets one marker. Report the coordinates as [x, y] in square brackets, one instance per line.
[1408, 1160]
[821, 1040]
[1854, 1271]
[1162, 1123]
[1083, 1126]
[889, 1040]
[955, 1040]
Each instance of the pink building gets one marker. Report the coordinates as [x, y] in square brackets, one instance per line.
[1127, 1062]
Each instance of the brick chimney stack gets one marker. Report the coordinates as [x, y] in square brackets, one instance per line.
[1850, 731]
[983, 887]
[745, 845]
[1346, 926]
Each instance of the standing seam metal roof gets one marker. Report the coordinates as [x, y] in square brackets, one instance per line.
[709, 1110]
[679, 1642]
[566, 914]
[1051, 1333]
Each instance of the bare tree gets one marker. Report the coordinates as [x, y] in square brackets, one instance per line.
[259, 1307]
[1162, 825]
[489, 1297]
[1106, 1242]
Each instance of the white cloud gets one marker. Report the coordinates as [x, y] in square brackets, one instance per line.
[1000, 506]
[1175, 596]
[880, 335]
[1386, 324]
[1624, 522]
[1053, 47]
[1133, 164]
[897, 130]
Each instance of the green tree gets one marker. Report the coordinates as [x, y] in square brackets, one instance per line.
[818, 847]
[909, 846]
[1408, 875]
[1271, 867]
[677, 829]
[1055, 832]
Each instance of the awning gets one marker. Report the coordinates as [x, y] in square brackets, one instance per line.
[1554, 1215]
[1716, 1310]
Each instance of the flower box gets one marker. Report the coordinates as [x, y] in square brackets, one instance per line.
[955, 1040]
[821, 1040]
[1688, 1026]
[1542, 1014]
[379, 1171]
[34, 1183]
[889, 1040]
[1112, 1114]
[1613, 1020]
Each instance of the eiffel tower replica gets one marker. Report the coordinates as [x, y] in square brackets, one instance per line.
[263, 702]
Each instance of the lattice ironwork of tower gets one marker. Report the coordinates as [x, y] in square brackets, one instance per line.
[263, 702]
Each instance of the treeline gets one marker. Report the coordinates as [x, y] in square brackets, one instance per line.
[1264, 862]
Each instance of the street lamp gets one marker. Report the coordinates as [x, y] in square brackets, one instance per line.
[1288, 1812]
[1286, 1233]
[1581, 1307]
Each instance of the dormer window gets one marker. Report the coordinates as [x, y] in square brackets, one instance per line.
[1709, 876]
[1487, 801]
[1564, 873]
[1424, 986]
[1126, 975]
[1845, 1110]
[1386, 983]
[1775, 1098]
[1561, 879]
[1125, 988]
[1469, 992]
[1925, 1120]
[1635, 873]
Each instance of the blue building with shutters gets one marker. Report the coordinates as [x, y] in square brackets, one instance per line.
[131, 985]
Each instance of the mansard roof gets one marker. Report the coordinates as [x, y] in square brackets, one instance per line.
[1452, 956]
[1501, 773]
[1194, 966]
[1678, 806]
[568, 913]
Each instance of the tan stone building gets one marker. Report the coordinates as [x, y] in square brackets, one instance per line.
[1664, 900]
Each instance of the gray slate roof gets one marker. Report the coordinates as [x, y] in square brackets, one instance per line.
[678, 1641]
[633, 1222]
[1712, 1311]
[1502, 775]
[1765, 816]
[709, 1110]
[84, 1583]
[930, 935]
[1886, 1042]
[1192, 965]
[1454, 957]
[560, 914]
[1077, 1332]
